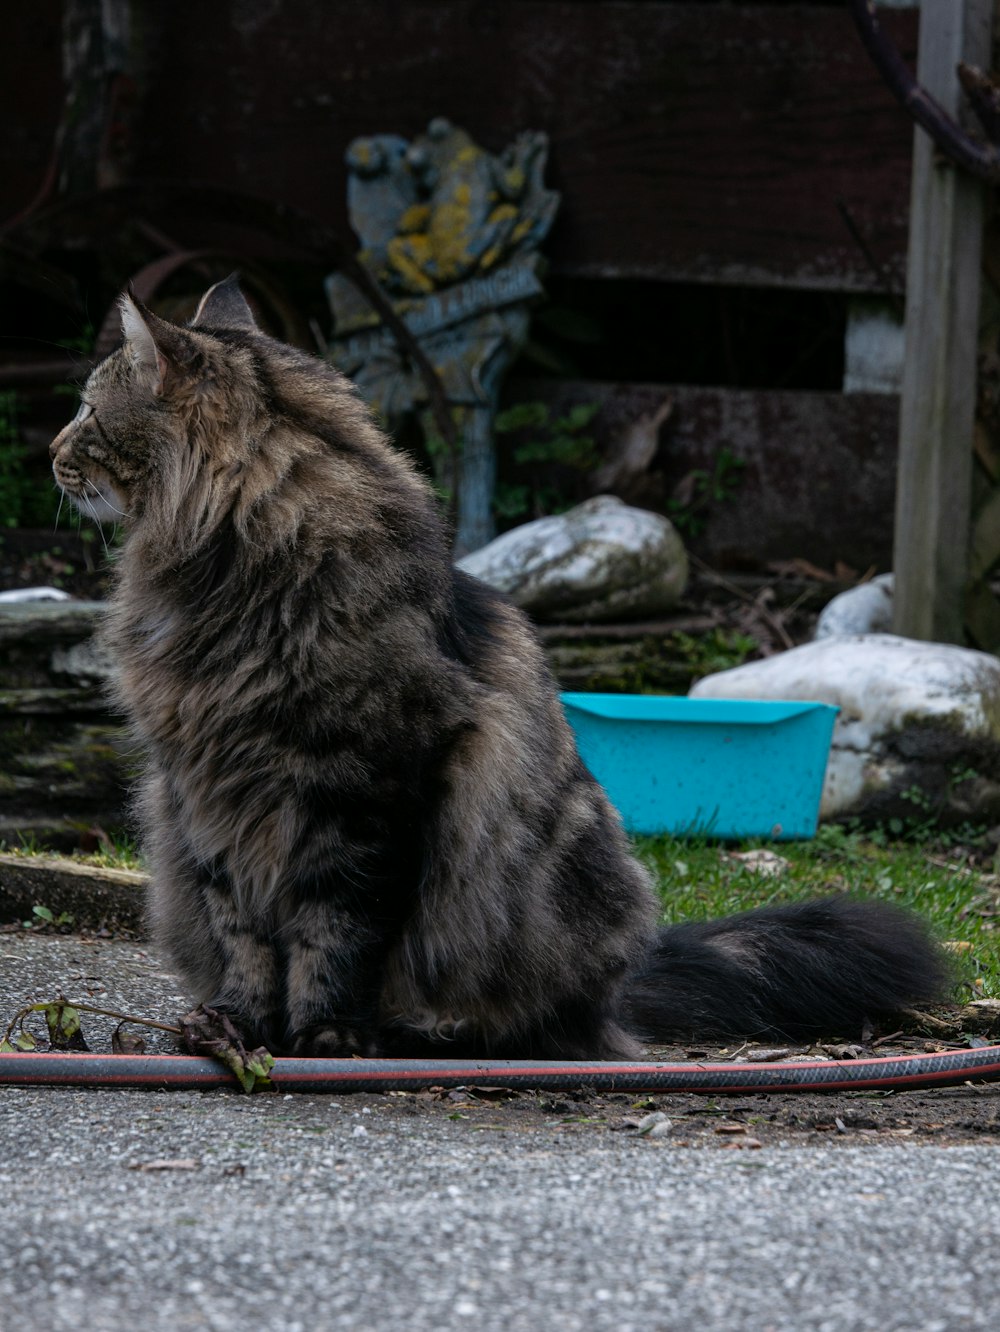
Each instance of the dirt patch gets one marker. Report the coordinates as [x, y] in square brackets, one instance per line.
[745, 1124]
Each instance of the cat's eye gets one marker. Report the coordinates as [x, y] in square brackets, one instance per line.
[85, 411]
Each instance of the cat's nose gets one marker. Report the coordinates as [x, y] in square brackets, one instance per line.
[56, 444]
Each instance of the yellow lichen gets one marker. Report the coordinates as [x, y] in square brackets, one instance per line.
[415, 218]
[505, 212]
[450, 235]
[408, 255]
[514, 180]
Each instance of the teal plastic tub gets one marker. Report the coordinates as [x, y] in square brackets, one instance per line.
[711, 766]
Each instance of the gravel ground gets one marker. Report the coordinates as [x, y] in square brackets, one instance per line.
[212, 1210]
[305, 1213]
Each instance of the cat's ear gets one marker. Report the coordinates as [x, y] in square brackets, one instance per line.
[159, 351]
[224, 306]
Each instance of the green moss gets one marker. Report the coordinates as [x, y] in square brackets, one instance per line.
[650, 664]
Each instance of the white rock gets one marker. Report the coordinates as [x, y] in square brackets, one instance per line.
[866, 609]
[873, 346]
[655, 1125]
[87, 661]
[918, 734]
[19, 594]
[602, 560]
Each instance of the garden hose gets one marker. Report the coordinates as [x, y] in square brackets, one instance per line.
[192, 1072]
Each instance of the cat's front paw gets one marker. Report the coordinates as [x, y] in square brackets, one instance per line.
[333, 1040]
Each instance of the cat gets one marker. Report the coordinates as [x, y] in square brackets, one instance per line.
[367, 825]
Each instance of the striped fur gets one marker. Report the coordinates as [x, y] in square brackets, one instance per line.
[367, 824]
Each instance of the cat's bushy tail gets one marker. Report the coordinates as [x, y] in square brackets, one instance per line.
[788, 972]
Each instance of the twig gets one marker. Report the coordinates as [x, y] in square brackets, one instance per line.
[928, 1020]
[982, 160]
[984, 98]
[770, 620]
[22, 1013]
[884, 1040]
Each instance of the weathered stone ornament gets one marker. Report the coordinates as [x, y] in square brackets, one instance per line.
[451, 233]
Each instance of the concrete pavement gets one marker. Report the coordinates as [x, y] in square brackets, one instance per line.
[127, 1210]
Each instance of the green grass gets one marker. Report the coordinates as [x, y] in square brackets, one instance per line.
[117, 851]
[699, 879]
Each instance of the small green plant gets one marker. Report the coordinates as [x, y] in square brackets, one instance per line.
[688, 508]
[918, 797]
[24, 500]
[717, 650]
[545, 452]
[117, 851]
[924, 824]
[27, 498]
[43, 917]
[28, 845]
[12, 454]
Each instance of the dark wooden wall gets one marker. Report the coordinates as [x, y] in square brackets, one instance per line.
[735, 144]
[691, 141]
[31, 98]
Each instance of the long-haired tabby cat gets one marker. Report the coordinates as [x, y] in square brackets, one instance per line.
[367, 824]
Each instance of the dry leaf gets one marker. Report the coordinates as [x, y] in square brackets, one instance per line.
[760, 861]
[842, 1052]
[767, 1055]
[126, 1042]
[167, 1163]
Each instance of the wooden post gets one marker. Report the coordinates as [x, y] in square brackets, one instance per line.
[933, 492]
[96, 59]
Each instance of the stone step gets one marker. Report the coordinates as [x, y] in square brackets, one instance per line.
[63, 755]
[95, 897]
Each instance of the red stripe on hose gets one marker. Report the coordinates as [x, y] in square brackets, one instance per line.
[188, 1071]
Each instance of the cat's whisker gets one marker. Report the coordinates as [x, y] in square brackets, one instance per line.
[55, 524]
[96, 517]
[87, 482]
